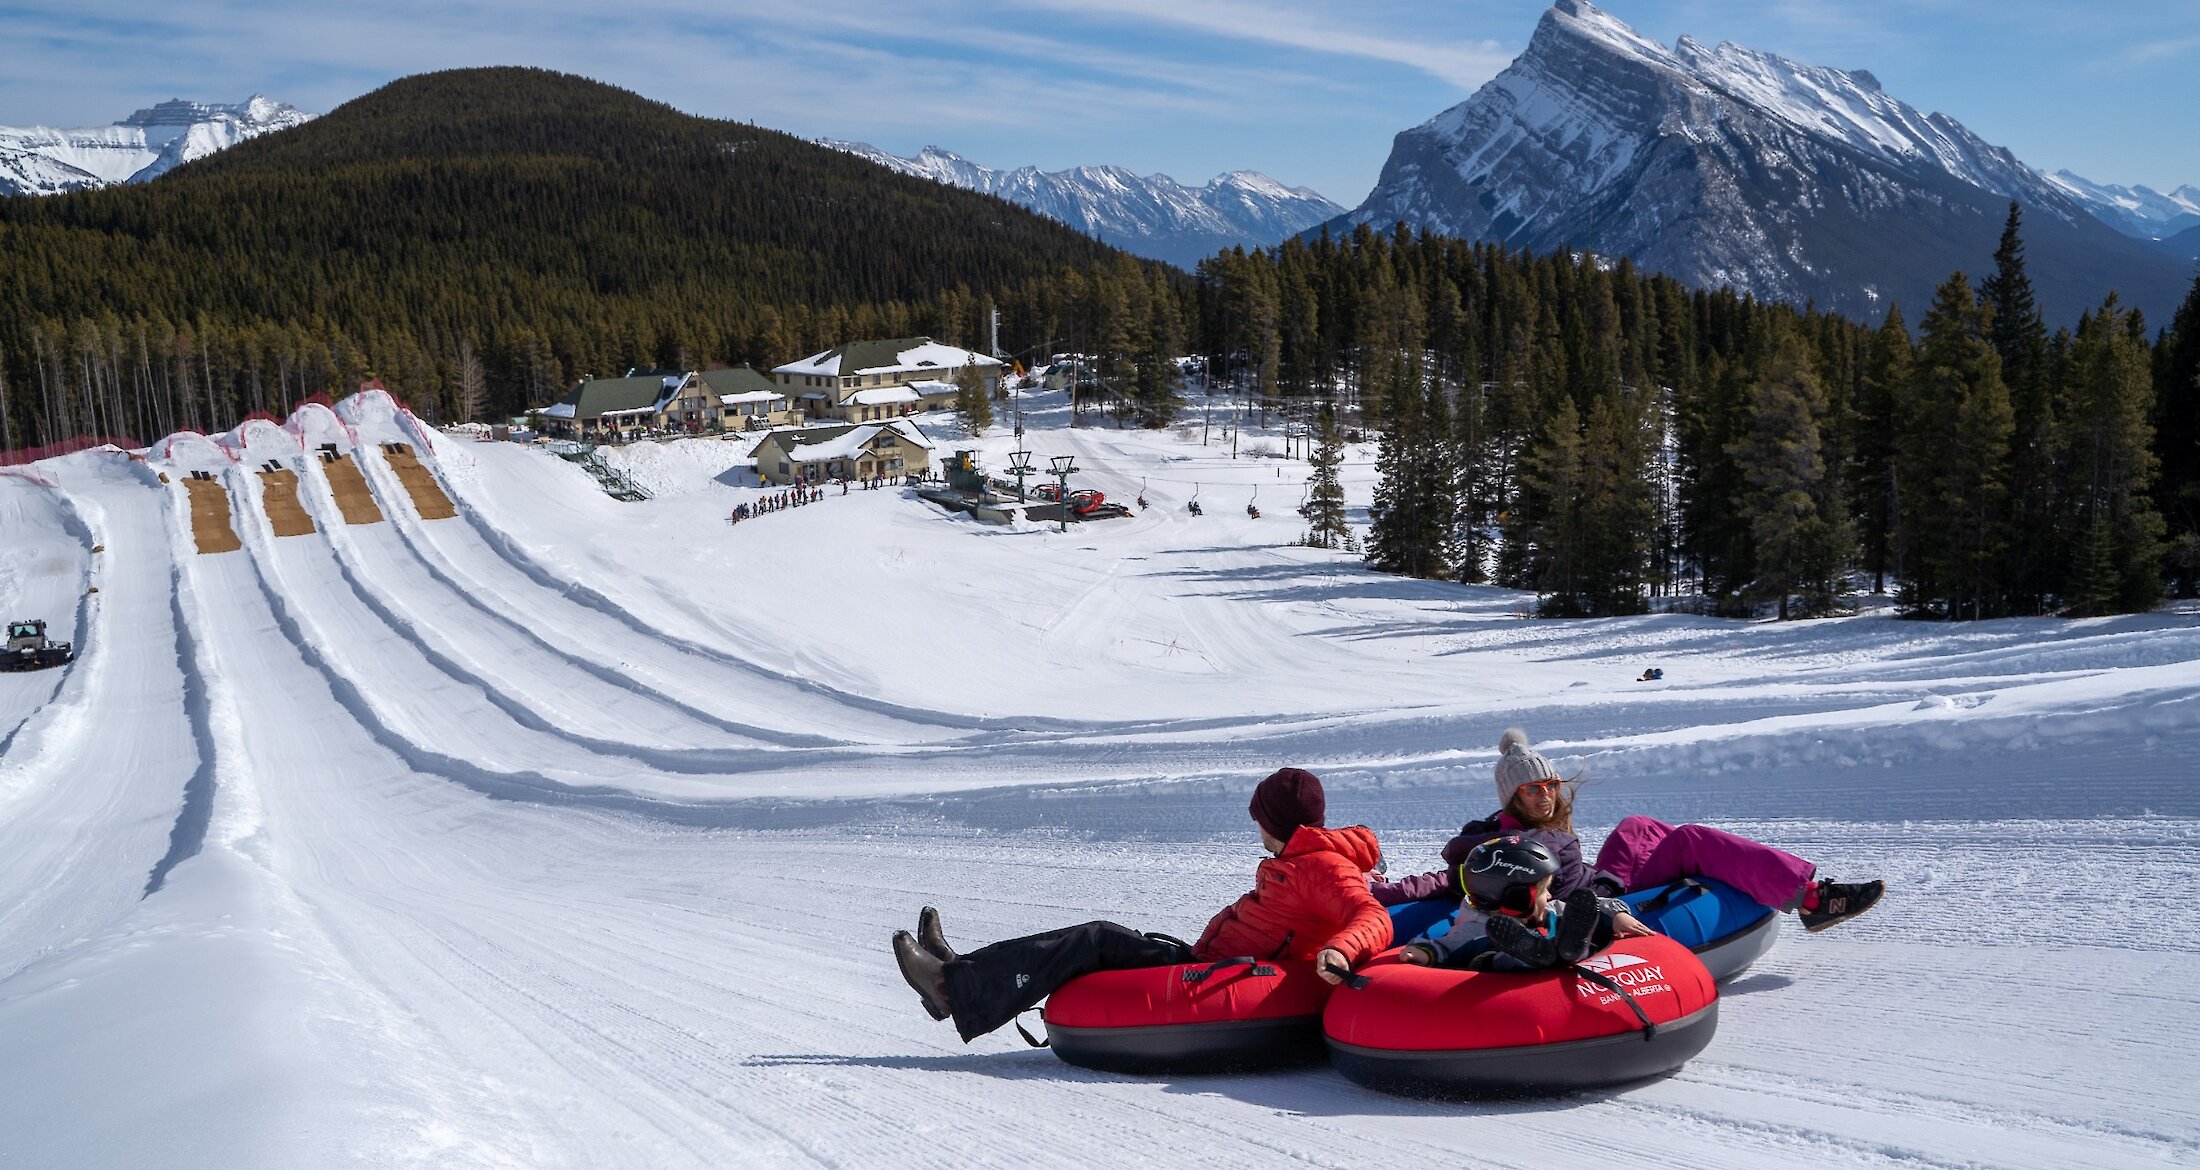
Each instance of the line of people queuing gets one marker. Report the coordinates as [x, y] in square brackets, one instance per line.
[805, 492]
[1526, 897]
[793, 497]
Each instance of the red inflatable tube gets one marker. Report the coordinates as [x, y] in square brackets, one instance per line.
[1439, 1032]
[1196, 1017]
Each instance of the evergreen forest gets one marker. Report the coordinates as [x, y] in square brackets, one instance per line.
[1604, 437]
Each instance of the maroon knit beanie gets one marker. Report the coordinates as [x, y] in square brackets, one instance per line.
[1290, 798]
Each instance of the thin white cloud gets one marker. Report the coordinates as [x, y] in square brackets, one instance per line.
[2155, 51]
[1466, 64]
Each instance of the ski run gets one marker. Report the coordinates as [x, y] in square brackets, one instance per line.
[570, 832]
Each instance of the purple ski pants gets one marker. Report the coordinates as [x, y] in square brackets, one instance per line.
[1642, 852]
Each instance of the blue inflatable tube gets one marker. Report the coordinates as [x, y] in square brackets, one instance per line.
[1725, 927]
[1418, 920]
[1719, 923]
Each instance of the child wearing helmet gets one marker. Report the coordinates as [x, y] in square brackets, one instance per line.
[1536, 803]
[1508, 881]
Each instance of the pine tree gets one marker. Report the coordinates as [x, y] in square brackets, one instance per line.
[1325, 511]
[1797, 542]
[1411, 518]
[1617, 515]
[1159, 384]
[2177, 441]
[1953, 463]
[2036, 538]
[1875, 498]
[2112, 466]
[1547, 525]
[972, 404]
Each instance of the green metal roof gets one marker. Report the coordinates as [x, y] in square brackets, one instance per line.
[596, 397]
[738, 380]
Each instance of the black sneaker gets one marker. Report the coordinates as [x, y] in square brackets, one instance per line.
[1840, 901]
[1577, 927]
[931, 937]
[924, 973]
[1513, 937]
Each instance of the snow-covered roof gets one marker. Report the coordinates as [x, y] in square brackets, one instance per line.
[751, 396]
[557, 410]
[932, 386]
[602, 397]
[887, 395]
[824, 444]
[898, 356]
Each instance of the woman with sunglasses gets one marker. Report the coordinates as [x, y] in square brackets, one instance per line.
[1641, 852]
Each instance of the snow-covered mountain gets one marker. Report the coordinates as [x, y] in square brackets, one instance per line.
[1728, 166]
[1150, 215]
[41, 160]
[2140, 212]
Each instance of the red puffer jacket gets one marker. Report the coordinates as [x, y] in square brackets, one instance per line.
[1312, 897]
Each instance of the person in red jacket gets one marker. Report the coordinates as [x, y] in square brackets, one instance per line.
[1309, 901]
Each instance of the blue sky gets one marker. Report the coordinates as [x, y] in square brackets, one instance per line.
[1308, 92]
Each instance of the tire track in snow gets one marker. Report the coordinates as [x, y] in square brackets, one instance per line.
[188, 834]
[23, 695]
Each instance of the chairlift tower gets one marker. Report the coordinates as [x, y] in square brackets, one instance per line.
[1063, 467]
[1019, 465]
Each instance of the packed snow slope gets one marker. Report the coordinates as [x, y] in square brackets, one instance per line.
[569, 832]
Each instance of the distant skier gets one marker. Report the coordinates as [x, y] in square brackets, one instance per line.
[1652, 674]
[1641, 853]
[1309, 901]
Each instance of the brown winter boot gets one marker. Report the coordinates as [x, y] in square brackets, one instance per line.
[931, 937]
[924, 971]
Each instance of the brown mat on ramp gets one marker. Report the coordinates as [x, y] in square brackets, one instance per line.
[210, 516]
[352, 497]
[427, 495]
[279, 495]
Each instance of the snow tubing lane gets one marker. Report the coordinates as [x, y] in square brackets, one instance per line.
[1437, 1032]
[1192, 1017]
[1726, 928]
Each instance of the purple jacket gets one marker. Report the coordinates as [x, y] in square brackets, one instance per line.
[1443, 883]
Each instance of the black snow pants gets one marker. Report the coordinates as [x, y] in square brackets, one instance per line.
[989, 986]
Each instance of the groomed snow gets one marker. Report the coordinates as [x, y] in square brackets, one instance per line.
[569, 832]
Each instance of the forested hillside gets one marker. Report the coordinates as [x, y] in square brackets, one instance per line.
[551, 225]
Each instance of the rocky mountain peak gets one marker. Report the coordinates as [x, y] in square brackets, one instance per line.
[1151, 215]
[1733, 166]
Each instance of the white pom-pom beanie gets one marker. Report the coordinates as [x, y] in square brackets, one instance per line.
[1518, 764]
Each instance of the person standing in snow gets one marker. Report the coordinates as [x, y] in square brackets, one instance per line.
[1309, 900]
[1536, 803]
